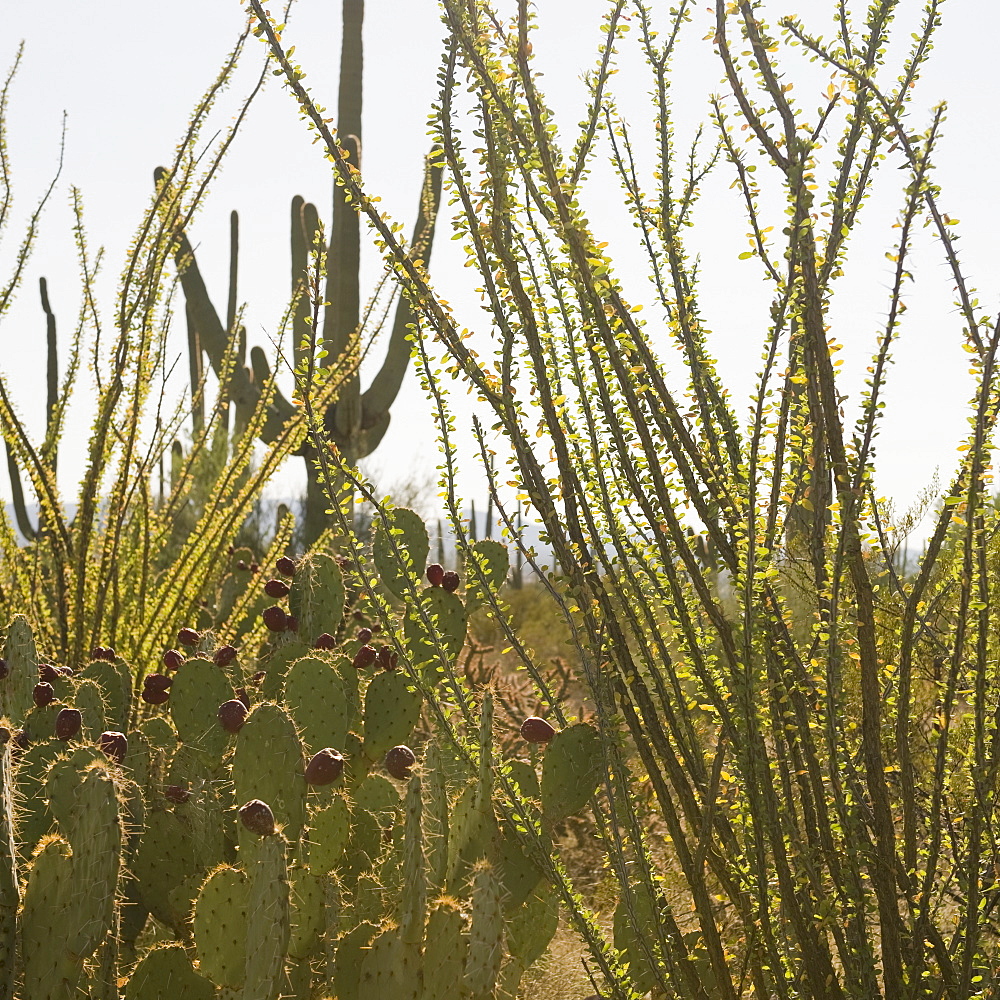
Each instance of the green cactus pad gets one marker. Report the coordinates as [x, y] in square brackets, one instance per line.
[165, 857]
[408, 538]
[22, 665]
[391, 969]
[448, 615]
[276, 664]
[89, 699]
[307, 922]
[351, 950]
[445, 949]
[40, 723]
[413, 897]
[220, 926]
[485, 935]
[380, 797]
[199, 688]
[317, 595]
[517, 874]
[392, 709]
[532, 926]
[50, 971]
[34, 817]
[571, 769]
[115, 683]
[165, 973]
[9, 895]
[493, 562]
[267, 765]
[322, 696]
[329, 831]
[472, 831]
[364, 844]
[267, 916]
[160, 734]
[524, 776]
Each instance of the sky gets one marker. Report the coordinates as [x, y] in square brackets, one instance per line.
[127, 74]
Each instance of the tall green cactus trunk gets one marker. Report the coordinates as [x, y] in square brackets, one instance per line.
[358, 419]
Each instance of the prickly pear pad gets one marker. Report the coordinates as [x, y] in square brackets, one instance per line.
[571, 770]
[322, 696]
[329, 829]
[445, 949]
[493, 562]
[116, 688]
[166, 974]
[199, 688]
[220, 926]
[268, 765]
[392, 709]
[408, 538]
[267, 926]
[317, 595]
[448, 614]
[22, 664]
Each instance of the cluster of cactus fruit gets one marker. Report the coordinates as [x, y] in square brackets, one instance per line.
[251, 820]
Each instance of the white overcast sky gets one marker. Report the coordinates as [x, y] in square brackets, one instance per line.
[127, 74]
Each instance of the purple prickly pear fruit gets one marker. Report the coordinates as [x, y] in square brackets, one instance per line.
[254, 567]
[47, 673]
[276, 589]
[110, 654]
[157, 682]
[5, 735]
[435, 574]
[536, 730]
[376, 626]
[230, 549]
[364, 657]
[155, 696]
[364, 634]
[388, 658]
[232, 715]
[68, 723]
[450, 581]
[291, 624]
[43, 694]
[257, 817]
[398, 762]
[325, 767]
[20, 740]
[172, 659]
[64, 671]
[241, 693]
[97, 653]
[188, 637]
[285, 566]
[242, 566]
[258, 676]
[325, 641]
[224, 655]
[359, 616]
[4, 669]
[275, 618]
[114, 745]
[176, 794]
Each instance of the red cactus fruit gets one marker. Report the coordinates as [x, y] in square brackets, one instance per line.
[4, 669]
[97, 653]
[325, 767]
[43, 694]
[114, 745]
[64, 671]
[364, 657]
[258, 676]
[450, 581]
[398, 762]
[276, 589]
[224, 655]
[285, 566]
[254, 567]
[435, 574]
[232, 715]
[388, 658]
[536, 730]
[176, 794]
[68, 723]
[275, 618]
[241, 693]
[20, 741]
[47, 673]
[158, 682]
[155, 696]
[188, 637]
[242, 566]
[5, 735]
[172, 659]
[291, 624]
[325, 641]
[257, 817]
[364, 634]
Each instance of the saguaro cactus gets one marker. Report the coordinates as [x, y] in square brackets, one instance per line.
[357, 421]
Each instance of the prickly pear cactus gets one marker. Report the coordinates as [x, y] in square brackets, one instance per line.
[392, 709]
[571, 771]
[22, 671]
[399, 550]
[322, 696]
[317, 595]
[198, 689]
[491, 559]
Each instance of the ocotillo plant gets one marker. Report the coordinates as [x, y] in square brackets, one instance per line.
[357, 420]
[819, 734]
